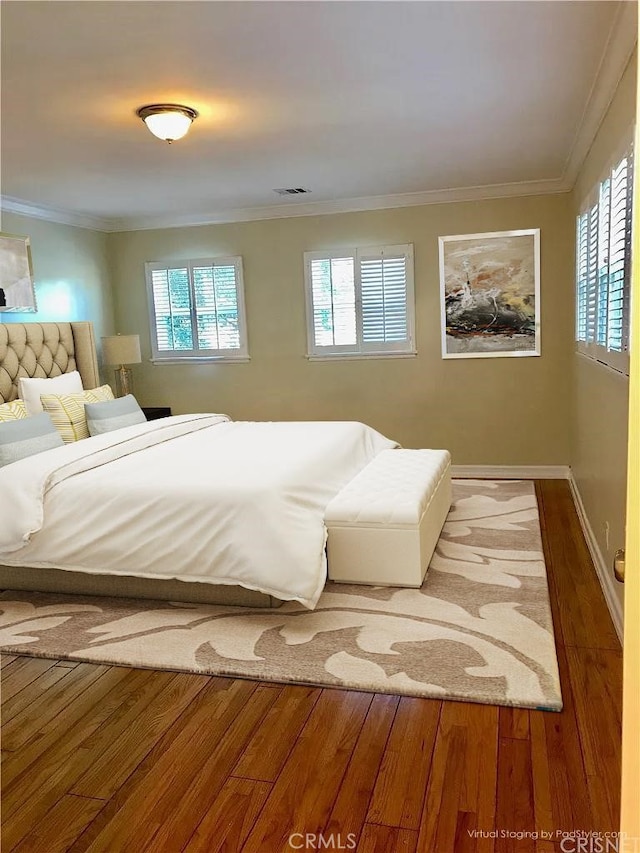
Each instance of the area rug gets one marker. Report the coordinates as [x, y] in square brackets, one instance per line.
[478, 630]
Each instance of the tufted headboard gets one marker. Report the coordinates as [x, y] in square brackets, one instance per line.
[45, 350]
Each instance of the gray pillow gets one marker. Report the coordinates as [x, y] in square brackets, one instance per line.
[113, 414]
[26, 437]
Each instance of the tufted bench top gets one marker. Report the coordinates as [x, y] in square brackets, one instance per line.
[394, 489]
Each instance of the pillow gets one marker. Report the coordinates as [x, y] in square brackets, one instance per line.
[67, 411]
[31, 389]
[27, 436]
[113, 414]
[13, 411]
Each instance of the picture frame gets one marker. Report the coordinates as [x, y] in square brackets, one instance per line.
[17, 290]
[490, 294]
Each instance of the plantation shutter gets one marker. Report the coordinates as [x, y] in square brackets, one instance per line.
[620, 258]
[582, 265]
[603, 268]
[216, 299]
[172, 301]
[592, 273]
[383, 282]
[602, 291]
[334, 302]
[360, 303]
[197, 309]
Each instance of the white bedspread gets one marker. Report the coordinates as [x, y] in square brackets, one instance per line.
[193, 497]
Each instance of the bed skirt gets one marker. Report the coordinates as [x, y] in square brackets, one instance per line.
[119, 586]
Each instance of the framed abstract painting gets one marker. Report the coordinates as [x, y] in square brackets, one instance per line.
[17, 292]
[490, 294]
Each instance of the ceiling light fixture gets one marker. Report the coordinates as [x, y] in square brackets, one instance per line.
[167, 121]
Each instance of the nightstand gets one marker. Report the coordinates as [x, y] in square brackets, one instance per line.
[154, 412]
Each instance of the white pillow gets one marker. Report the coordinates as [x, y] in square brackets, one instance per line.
[31, 389]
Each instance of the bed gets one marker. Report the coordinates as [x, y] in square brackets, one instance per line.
[189, 508]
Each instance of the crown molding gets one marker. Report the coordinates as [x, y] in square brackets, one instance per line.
[619, 48]
[319, 208]
[286, 210]
[9, 204]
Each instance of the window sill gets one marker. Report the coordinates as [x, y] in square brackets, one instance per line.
[211, 359]
[595, 360]
[360, 356]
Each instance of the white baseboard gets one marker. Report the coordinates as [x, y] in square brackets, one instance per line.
[556, 472]
[512, 472]
[607, 581]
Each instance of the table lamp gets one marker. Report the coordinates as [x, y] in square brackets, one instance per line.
[122, 350]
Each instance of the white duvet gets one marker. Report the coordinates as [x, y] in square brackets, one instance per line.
[193, 497]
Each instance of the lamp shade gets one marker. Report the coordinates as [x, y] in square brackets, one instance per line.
[121, 349]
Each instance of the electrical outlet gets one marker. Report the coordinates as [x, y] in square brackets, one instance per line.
[606, 533]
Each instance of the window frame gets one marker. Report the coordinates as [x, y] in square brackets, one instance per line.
[589, 330]
[361, 349]
[199, 356]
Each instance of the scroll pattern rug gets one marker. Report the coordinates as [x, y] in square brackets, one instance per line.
[478, 630]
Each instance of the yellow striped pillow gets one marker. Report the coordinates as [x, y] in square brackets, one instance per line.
[68, 414]
[14, 411]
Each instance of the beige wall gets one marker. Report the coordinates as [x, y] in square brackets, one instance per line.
[71, 272]
[600, 395]
[487, 411]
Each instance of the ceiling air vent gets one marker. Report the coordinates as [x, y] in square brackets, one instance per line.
[291, 191]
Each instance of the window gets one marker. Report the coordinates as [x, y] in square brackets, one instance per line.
[603, 267]
[197, 310]
[360, 302]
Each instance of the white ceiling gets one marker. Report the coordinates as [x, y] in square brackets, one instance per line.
[351, 100]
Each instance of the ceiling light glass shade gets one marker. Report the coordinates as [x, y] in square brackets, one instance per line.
[167, 121]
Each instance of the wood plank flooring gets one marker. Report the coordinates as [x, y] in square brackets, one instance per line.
[99, 758]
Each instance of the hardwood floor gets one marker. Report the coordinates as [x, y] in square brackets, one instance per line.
[98, 758]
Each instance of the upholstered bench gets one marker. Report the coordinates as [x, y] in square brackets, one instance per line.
[383, 526]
